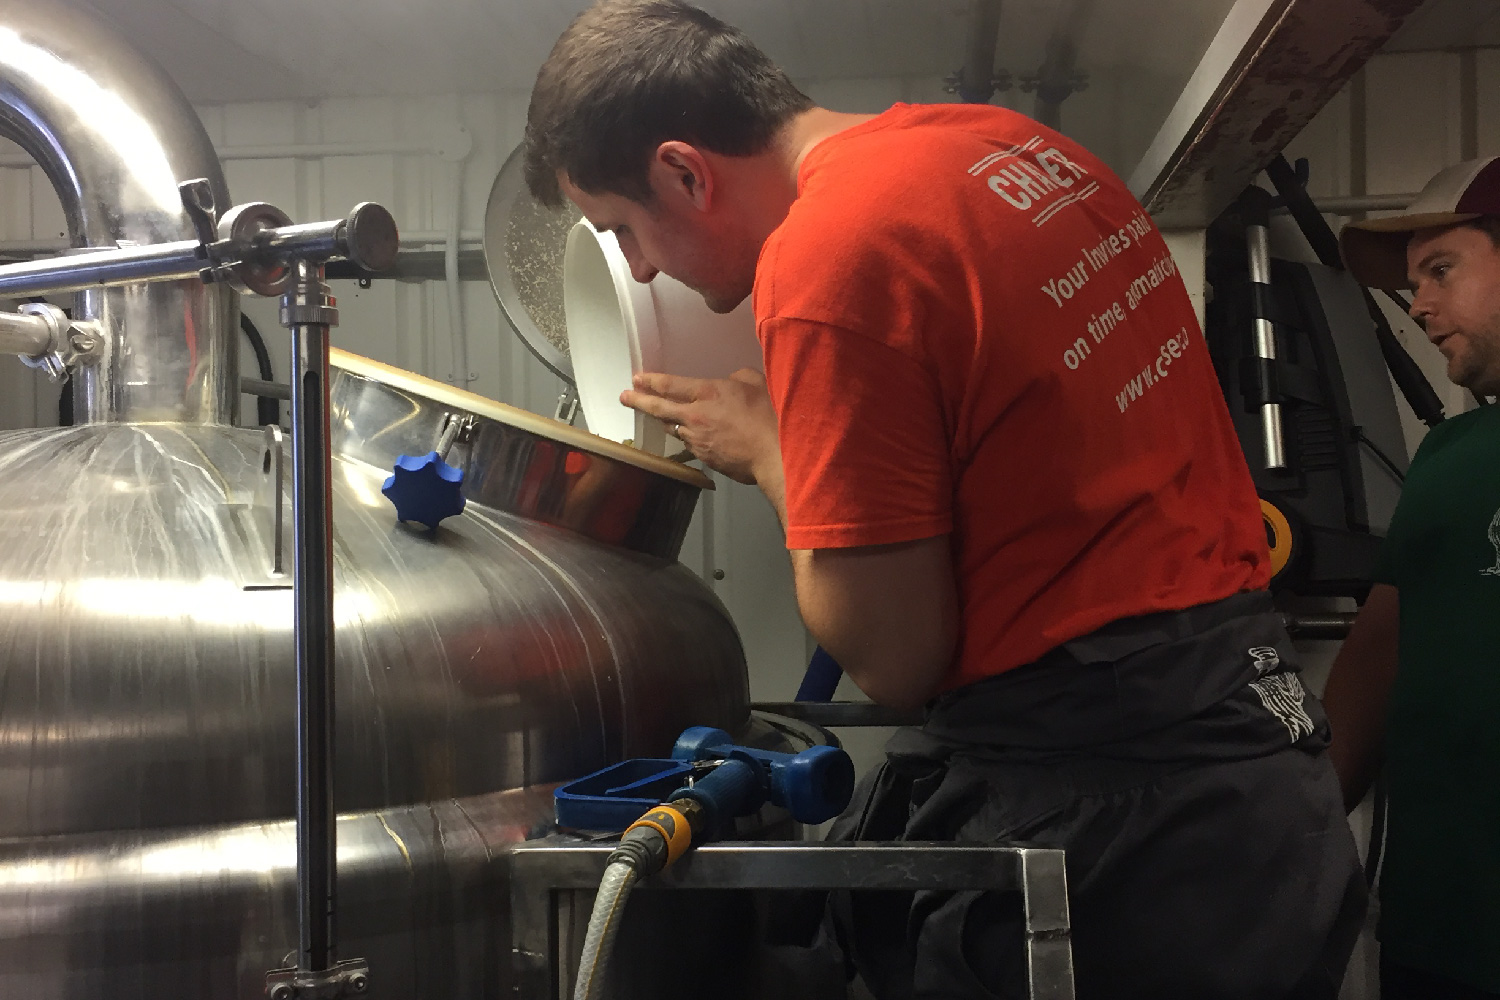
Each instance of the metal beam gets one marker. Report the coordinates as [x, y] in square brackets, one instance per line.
[1273, 65]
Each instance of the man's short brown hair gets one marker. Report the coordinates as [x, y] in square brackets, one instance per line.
[628, 75]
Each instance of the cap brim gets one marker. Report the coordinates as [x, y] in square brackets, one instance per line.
[1374, 250]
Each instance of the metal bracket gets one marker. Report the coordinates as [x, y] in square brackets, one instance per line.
[346, 979]
[273, 464]
[458, 428]
[567, 405]
[198, 202]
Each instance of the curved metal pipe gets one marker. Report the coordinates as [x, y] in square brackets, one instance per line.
[115, 137]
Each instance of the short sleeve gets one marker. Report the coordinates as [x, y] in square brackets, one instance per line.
[864, 443]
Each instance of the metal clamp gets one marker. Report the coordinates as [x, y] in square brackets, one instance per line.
[44, 337]
[346, 979]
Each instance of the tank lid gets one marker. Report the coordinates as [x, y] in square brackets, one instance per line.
[525, 420]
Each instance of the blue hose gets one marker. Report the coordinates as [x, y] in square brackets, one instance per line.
[822, 677]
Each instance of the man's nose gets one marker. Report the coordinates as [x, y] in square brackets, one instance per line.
[641, 271]
[640, 268]
[1421, 307]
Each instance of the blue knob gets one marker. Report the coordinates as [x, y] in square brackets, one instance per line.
[425, 489]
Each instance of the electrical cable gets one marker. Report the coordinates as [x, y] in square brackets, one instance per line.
[1363, 438]
[267, 410]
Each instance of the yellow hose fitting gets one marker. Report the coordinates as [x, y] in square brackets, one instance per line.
[674, 827]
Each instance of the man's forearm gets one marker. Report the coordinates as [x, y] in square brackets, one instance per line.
[772, 482]
[1358, 693]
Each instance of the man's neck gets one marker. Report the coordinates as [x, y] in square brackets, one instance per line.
[765, 185]
[808, 129]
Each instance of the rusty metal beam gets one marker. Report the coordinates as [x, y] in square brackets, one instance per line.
[1270, 69]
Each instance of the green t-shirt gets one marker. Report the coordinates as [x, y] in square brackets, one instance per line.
[1440, 885]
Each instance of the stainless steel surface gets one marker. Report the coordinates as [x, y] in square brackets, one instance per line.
[149, 665]
[23, 334]
[1257, 243]
[115, 136]
[1270, 69]
[103, 268]
[203, 913]
[307, 310]
[515, 468]
[523, 249]
[542, 873]
[149, 683]
[257, 256]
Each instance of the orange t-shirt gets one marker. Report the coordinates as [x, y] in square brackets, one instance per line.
[971, 327]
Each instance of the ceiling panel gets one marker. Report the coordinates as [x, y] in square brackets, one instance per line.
[221, 50]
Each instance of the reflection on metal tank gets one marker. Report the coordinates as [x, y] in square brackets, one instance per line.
[146, 725]
[115, 136]
[146, 657]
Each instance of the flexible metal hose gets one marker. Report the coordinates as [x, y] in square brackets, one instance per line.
[604, 924]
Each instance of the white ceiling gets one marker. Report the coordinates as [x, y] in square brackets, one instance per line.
[225, 50]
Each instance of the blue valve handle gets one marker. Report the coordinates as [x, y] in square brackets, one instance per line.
[814, 785]
[425, 489]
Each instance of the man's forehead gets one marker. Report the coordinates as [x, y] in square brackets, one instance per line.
[1425, 242]
[598, 209]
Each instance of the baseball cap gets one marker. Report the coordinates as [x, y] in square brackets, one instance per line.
[1375, 250]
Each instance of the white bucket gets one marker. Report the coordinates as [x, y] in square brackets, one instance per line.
[618, 327]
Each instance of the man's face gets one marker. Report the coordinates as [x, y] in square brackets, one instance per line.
[1456, 272]
[672, 238]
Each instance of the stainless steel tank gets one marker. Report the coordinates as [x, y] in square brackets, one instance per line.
[146, 658]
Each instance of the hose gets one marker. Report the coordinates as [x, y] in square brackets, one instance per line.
[604, 925]
[649, 845]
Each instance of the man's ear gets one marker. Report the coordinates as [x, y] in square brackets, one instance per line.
[681, 171]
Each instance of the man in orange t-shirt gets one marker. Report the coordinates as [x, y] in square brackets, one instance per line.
[1011, 491]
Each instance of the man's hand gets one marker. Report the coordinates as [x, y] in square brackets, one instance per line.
[728, 423]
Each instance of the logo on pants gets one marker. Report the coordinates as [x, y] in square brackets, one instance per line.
[1282, 694]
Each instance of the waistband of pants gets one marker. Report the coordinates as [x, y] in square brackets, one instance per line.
[1124, 682]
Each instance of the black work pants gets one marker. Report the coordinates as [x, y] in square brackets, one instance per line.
[1180, 764]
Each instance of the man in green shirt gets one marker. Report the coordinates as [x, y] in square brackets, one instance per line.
[1417, 683]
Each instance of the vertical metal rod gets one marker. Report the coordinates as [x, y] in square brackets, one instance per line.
[308, 311]
[1258, 246]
